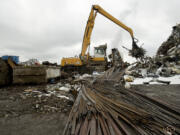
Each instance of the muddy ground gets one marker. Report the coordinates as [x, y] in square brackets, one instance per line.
[25, 113]
[28, 114]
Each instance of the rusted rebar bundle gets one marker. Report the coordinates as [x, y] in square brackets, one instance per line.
[102, 108]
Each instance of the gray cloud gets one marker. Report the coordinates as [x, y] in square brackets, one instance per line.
[50, 30]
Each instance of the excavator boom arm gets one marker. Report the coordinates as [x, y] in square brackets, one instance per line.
[90, 25]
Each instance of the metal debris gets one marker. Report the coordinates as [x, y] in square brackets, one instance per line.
[172, 42]
[136, 51]
[104, 109]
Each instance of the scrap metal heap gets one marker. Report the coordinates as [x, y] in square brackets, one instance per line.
[105, 107]
[166, 63]
[168, 54]
[172, 41]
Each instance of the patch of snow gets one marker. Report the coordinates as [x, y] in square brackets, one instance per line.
[97, 73]
[141, 80]
[51, 92]
[47, 95]
[64, 89]
[85, 75]
[173, 80]
[61, 96]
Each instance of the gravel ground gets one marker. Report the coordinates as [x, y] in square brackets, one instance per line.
[28, 114]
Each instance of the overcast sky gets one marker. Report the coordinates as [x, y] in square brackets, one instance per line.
[52, 29]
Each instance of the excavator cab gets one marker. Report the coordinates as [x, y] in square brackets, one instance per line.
[100, 51]
[98, 62]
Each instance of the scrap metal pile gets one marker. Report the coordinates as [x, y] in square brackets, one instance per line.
[173, 41]
[166, 63]
[168, 53]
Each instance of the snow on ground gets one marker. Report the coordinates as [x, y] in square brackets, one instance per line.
[62, 96]
[173, 80]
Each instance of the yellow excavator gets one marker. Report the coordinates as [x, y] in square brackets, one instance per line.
[86, 63]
